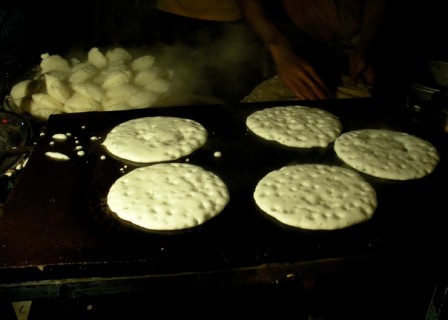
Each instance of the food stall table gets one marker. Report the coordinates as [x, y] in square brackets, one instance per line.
[56, 239]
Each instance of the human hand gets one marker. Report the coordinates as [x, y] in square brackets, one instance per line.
[361, 69]
[299, 76]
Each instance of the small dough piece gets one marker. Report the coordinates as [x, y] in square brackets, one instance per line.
[118, 54]
[143, 99]
[295, 126]
[111, 105]
[90, 90]
[158, 86]
[82, 73]
[316, 197]
[57, 88]
[97, 58]
[122, 92]
[168, 196]
[145, 77]
[143, 63]
[54, 62]
[387, 154]
[79, 103]
[155, 139]
[45, 101]
[39, 112]
[116, 78]
[25, 88]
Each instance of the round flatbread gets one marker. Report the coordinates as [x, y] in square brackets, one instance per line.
[316, 197]
[168, 196]
[295, 126]
[155, 139]
[387, 154]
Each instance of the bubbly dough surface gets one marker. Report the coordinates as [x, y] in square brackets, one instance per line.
[155, 139]
[316, 197]
[168, 196]
[295, 126]
[387, 154]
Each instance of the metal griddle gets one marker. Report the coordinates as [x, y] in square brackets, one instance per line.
[54, 226]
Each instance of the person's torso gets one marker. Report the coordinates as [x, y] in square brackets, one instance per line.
[215, 10]
[326, 20]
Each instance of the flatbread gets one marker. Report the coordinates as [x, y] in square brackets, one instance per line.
[316, 197]
[387, 154]
[295, 126]
[168, 196]
[155, 139]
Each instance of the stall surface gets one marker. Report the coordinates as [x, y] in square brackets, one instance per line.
[57, 240]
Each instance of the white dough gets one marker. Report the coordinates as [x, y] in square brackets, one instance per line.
[143, 63]
[54, 63]
[145, 77]
[111, 105]
[387, 154]
[90, 90]
[45, 101]
[82, 73]
[97, 58]
[79, 103]
[122, 92]
[118, 54]
[143, 99]
[158, 86]
[101, 81]
[25, 88]
[168, 196]
[316, 197]
[39, 112]
[295, 126]
[57, 88]
[115, 79]
[155, 139]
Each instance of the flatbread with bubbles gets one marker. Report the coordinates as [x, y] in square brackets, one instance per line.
[168, 196]
[316, 197]
[295, 126]
[155, 139]
[387, 154]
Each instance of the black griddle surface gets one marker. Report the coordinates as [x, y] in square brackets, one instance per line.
[53, 219]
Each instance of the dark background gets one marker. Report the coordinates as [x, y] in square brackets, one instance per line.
[413, 30]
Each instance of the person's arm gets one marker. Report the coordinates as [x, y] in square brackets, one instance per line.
[360, 67]
[295, 72]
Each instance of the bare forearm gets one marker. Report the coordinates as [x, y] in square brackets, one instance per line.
[262, 26]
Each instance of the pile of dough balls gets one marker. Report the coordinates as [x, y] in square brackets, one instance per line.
[114, 80]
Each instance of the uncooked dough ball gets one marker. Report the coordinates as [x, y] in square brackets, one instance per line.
[158, 86]
[116, 78]
[61, 75]
[143, 99]
[97, 58]
[23, 103]
[57, 88]
[118, 54]
[90, 90]
[122, 92]
[112, 104]
[40, 112]
[25, 88]
[83, 72]
[142, 63]
[54, 63]
[45, 101]
[79, 103]
[145, 77]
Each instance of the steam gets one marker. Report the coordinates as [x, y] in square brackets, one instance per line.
[225, 68]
